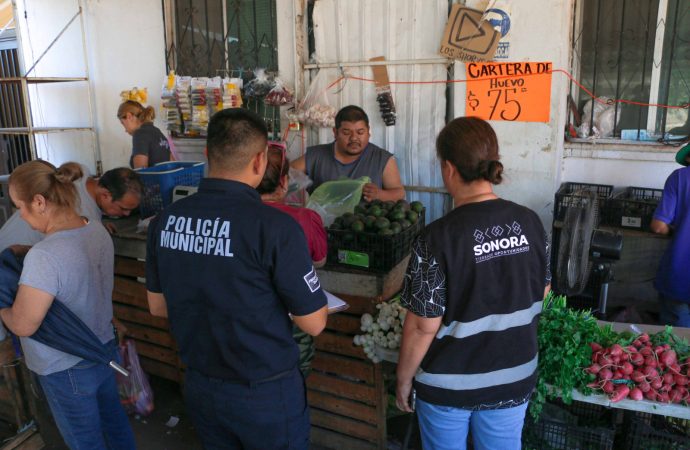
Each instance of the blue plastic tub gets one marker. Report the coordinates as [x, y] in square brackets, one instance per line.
[160, 180]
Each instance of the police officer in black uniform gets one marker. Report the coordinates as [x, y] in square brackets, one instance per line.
[230, 273]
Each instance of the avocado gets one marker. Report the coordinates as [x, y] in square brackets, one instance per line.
[348, 236]
[369, 221]
[386, 232]
[382, 223]
[388, 204]
[361, 209]
[417, 207]
[396, 214]
[405, 224]
[357, 226]
[402, 204]
[396, 227]
[412, 216]
[376, 211]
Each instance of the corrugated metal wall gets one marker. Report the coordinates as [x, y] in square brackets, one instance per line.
[357, 30]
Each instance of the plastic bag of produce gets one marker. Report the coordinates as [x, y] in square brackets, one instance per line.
[136, 394]
[317, 109]
[335, 198]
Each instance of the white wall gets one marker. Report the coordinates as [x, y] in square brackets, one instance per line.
[125, 47]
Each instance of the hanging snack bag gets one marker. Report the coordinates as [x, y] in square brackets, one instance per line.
[280, 95]
[214, 96]
[232, 97]
[260, 86]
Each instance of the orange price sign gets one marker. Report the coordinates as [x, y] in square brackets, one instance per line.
[513, 91]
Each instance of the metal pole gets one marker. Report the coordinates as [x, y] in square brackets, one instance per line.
[94, 137]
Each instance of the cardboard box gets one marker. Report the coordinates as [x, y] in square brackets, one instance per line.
[467, 37]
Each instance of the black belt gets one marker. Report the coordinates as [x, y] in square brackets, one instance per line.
[278, 376]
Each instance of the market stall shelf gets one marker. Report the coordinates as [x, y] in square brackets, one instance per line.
[346, 391]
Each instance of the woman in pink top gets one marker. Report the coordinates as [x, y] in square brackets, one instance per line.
[273, 189]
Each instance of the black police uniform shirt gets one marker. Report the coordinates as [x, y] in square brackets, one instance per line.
[231, 269]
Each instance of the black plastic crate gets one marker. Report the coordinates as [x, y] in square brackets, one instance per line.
[383, 252]
[577, 426]
[632, 208]
[572, 194]
[654, 432]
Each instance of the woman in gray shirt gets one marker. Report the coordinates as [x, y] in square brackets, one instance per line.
[74, 263]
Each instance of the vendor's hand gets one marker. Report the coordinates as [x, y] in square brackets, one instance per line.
[20, 250]
[402, 395]
[370, 192]
[111, 227]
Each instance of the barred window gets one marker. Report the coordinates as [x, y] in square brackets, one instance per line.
[637, 50]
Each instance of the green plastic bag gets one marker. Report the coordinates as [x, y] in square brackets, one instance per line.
[335, 198]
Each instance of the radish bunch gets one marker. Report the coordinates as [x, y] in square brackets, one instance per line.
[640, 370]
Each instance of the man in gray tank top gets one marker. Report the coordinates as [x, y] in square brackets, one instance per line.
[351, 155]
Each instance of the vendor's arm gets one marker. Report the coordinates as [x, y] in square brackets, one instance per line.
[157, 305]
[418, 334]
[28, 311]
[392, 185]
[299, 164]
[665, 212]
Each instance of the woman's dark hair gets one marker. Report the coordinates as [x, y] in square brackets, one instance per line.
[277, 167]
[470, 144]
[42, 178]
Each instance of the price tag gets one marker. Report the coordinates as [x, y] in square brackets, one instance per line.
[516, 91]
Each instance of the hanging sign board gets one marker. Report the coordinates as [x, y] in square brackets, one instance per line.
[469, 36]
[516, 91]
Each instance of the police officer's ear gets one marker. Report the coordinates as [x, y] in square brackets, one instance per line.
[259, 162]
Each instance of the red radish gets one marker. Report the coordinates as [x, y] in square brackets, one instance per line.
[637, 359]
[595, 347]
[627, 368]
[675, 396]
[594, 385]
[630, 349]
[644, 338]
[650, 372]
[651, 395]
[618, 375]
[607, 387]
[644, 386]
[668, 357]
[636, 394]
[665, 388]
[637, 376]
[666, 347]
[656, 383]
[675, 368]
[616, 350]
[605, 374]
[646, 351]
[616, 360]
[668, 378]
[663, 397]
[620, 393]
[637, 343]
[650, 361]
[594, 368]
[604, 360]
[680, 380]
[659, 349]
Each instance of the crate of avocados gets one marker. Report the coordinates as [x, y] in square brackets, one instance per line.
[377, 236]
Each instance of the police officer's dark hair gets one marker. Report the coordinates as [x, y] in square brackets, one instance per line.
[235, 136]
[351, 113]
[121, 180]
[470, 144]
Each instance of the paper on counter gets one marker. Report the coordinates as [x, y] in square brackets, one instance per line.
[335, 304]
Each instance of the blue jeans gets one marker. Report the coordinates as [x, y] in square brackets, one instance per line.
[86, 406]
[673, 312]
[269, 415]
[446, 427]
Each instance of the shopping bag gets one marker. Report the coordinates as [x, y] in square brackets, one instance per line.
[136, 395]
[335, 198]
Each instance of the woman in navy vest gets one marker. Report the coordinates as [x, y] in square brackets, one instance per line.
[474, 291]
